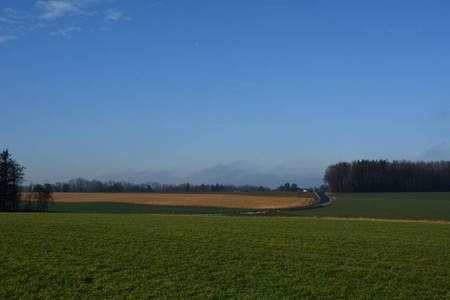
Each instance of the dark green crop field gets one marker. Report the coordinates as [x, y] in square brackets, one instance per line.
[98, 256]
[414, 206]
[131, 208]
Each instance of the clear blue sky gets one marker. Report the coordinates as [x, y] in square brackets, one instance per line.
[240, 92]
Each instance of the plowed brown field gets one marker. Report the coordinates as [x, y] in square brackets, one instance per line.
[212, 200]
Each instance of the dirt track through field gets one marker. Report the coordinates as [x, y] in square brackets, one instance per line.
[212, 200]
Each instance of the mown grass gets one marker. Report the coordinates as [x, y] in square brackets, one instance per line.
[98, 256]
[413, 206]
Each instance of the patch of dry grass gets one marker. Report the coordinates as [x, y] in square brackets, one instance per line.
[211, 200]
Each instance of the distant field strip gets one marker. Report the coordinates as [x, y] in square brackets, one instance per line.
[405, 206]
[210, 200]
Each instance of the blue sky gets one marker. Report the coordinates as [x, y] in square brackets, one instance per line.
[238, 92]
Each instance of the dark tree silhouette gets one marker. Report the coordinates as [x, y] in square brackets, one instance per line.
[42, 196]
[11, 176]
[81, 185]
[287, 187]
[364, 176]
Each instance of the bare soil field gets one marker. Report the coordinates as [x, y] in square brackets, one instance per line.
[211, 200]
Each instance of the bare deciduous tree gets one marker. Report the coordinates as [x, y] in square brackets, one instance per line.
[42, 196]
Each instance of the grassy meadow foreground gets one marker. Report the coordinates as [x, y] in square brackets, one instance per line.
[226, 200]
[98, 256]
[141, 256]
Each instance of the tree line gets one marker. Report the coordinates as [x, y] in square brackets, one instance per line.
[383, 176]
[81, 185]
[38, 197]
[287, 187]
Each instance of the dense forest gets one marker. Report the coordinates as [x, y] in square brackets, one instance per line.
[383, 176]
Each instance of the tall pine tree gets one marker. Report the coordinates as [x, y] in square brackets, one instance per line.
[11, 176]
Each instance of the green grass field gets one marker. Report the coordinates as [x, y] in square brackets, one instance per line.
[130, 208]
[414, 206]
[98, 256]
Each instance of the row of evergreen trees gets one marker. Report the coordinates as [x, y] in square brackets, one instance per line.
[384, 176]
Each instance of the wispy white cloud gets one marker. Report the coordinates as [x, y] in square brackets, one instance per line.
[87, 2]
[10, 11]
[12, 24]
[56, 9]
[114, 14]
[15, 16]
[60, 17]
[65, 32]
[4, 38]
[7, 21]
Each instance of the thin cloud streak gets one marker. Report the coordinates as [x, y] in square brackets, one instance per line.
[65, 32]
[10, 11]
[14, 14]
[113, 14]
[7, 21]
[63, 17]
[5, 38]
[56, 9]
